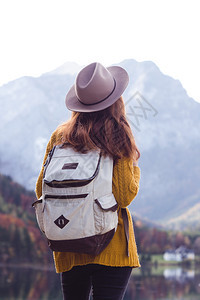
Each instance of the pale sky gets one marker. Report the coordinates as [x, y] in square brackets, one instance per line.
[39, 35]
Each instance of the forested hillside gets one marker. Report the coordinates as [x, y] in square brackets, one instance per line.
[20, 239]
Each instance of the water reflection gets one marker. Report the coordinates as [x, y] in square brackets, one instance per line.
[179, 274]
[29, 284]
[166, 284]
[146, 284]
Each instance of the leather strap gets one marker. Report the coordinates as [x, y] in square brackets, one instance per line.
[126, 228]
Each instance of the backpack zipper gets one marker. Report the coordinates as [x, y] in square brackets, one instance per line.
[66, 196]
[68, 183]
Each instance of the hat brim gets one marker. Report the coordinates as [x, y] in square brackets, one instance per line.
[121, 81]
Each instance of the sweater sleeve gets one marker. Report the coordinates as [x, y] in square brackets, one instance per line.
[126, 179]
[53, 139]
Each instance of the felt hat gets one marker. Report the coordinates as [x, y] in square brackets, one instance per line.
[96, 88]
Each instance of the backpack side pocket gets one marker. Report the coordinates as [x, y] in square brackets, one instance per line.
[105, 214]
[39, 209]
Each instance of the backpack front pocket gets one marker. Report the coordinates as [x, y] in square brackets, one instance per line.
[105, 214]
[63, 216]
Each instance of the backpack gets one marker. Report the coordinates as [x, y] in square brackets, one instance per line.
[77, 211]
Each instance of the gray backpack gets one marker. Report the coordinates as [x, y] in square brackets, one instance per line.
[77, 211]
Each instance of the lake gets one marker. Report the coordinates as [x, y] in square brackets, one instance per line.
[17, 283]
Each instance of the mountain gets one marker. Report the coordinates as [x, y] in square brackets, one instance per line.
[188, 221]
[164, 119]
[67, 68]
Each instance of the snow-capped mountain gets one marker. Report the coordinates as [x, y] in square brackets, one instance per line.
[71, 68]
[164, 120]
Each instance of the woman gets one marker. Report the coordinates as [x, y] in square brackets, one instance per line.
[98, 121]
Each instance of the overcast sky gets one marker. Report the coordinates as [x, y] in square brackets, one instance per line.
[39, 35]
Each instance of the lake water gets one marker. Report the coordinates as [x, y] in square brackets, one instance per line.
[18, 283]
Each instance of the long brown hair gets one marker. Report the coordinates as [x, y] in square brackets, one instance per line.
[107, 129]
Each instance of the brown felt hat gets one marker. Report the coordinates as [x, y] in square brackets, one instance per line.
[96, 88]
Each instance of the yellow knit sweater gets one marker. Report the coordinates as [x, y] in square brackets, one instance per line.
[125, 187]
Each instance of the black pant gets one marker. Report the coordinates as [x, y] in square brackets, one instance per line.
[106, 282]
